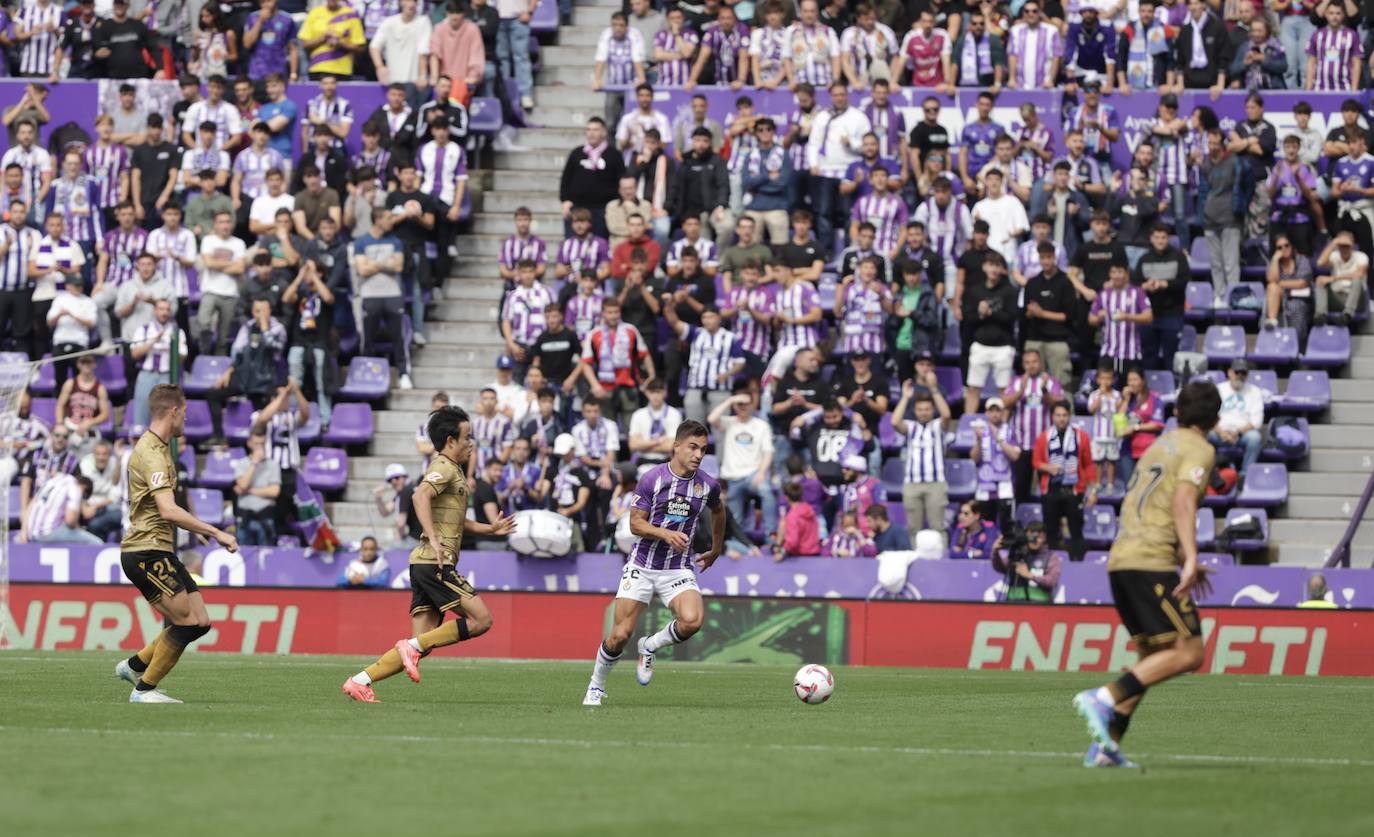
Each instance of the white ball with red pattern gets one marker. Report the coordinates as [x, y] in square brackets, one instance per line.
[813, 684]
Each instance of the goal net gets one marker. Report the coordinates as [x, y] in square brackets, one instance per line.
[14, 378]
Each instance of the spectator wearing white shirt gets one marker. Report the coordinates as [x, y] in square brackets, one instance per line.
[653, 428]
[630, 130]
[746, 457]
[136, 299]
[101, 511]
[619, 64]
[213, 108]
[151, 348]
[836, 137]
[1347, 282]
[1242, 415]
[400, 51]
[72, 316]
[56, 258]
[223, 264]
[262, 217]
[54, 515]
[1005, 214]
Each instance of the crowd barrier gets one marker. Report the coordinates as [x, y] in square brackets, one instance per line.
[760, 576]
[787, 631]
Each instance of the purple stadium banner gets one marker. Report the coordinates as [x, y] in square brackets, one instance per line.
[948, 580]
[82, 101]
[1135, 112]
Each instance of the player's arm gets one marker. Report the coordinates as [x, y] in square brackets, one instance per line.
[1185, 521]
[718, 525]
[422, 498]
[641, 528]
[500, 526]
[169, 511]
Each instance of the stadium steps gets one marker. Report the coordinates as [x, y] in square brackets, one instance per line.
[1323, 492]
[464, 336]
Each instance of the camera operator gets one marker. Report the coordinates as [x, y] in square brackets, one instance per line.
[1032, 571]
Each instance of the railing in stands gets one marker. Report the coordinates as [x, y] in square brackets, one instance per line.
[1340, 556]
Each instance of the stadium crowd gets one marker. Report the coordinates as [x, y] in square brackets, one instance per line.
[794, 283]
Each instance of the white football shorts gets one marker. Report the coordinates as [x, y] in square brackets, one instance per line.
[643, 584]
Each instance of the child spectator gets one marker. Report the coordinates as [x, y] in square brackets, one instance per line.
[1102, 405]
[860, 491]
[799, 531]
[848, 541]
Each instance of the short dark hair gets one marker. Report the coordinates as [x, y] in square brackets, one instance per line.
[1198, 405]
[444, 423]
[691, 429]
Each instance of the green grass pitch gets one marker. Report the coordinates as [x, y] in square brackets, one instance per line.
[270, 746]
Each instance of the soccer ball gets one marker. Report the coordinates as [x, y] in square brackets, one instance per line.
[813, 684]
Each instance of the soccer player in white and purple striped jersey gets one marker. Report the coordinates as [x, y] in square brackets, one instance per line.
[1120, 309]
[664, 516]
[522, 245]
[1333, 54]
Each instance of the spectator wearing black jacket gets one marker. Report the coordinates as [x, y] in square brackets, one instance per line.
[1163, 273]
[1050, 304]
[120, 42]
[591, 178]
[394, 121]
[1212, 72]
[1138, 65]
[78, 43]
[701, 188]
[324, 156]
[1137, 207]
[990, 314]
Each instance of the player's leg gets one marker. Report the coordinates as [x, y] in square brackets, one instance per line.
[679, 594]
[186, 627]
[629, 604]
[474, 619]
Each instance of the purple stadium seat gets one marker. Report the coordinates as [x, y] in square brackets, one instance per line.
[109, 370]
[1268, 382]
[484, 115]
[888, 439]
[351, 424]
[1216, 559]
[1266, 485]
[1308, 392]
[545, 20]
[1096, 556]
[1200, 259]
[1262, 516]
[219, 468]
[207, 504]
[198, 427]
[1198, 299]
[894, 474]
[46, 382]
[1278, 347]
[187, 456]
[963, 436]
[1099, 526]
[326, 469]
[952, 350]
[238, 420]
[1273, 454]
[309, 433]
[45, 409]
[1241, 315]
[1028, 513]
[951, 383]
[1206, 528]
[710, 465]
[14, 502]
[1187, 338]
[1328, 347]
[962, 477]
[1161, 381]
[896, 512]
[205, 371]
[1223, 344]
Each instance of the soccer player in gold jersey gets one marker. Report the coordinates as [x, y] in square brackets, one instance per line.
[148, 551]
[1154, 570]
[441, 504]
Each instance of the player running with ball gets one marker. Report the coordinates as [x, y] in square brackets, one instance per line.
[667, 506]
[441, 504]
[1153, 571]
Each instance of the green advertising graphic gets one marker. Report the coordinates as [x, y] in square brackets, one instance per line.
[768, 631]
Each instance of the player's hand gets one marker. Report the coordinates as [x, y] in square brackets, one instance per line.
[706, 559]
[227, 541]
[503, 525]
[677, 541]
[1192, 578]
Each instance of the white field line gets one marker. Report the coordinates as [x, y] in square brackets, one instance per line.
[588, 744]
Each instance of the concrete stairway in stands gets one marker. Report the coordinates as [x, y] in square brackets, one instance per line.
[1322, 496]
[464, 338]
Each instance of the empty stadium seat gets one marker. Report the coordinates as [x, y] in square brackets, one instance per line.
[1099, 526]
[198, 427]
[1161, 381]
[484, 115]
[1250, 544]
[1223, 344]
[1328, 347]
[894, 474]
[710, 465]
[545, 20]
[888, 439]
[326, 469]
[1267, 380]
[205, 371]
[351, 424]
[1244, 316]
[109, 370]
[1275, 347]
[219, 468]
[952, 350]
[1206, 528]
[1028, 513]
[951, 383]
[962, 477]
[896, 512]
[14, 504]
[1266, 485]
[238, 420]
[1309, 391]
[963, 435]
[1216, 559]
[207, 504]
[1200, 264]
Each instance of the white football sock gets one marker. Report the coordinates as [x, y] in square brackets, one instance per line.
[667, 636]
[362, 679]
[602, 669]
[415, 643]
[1104, 696]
